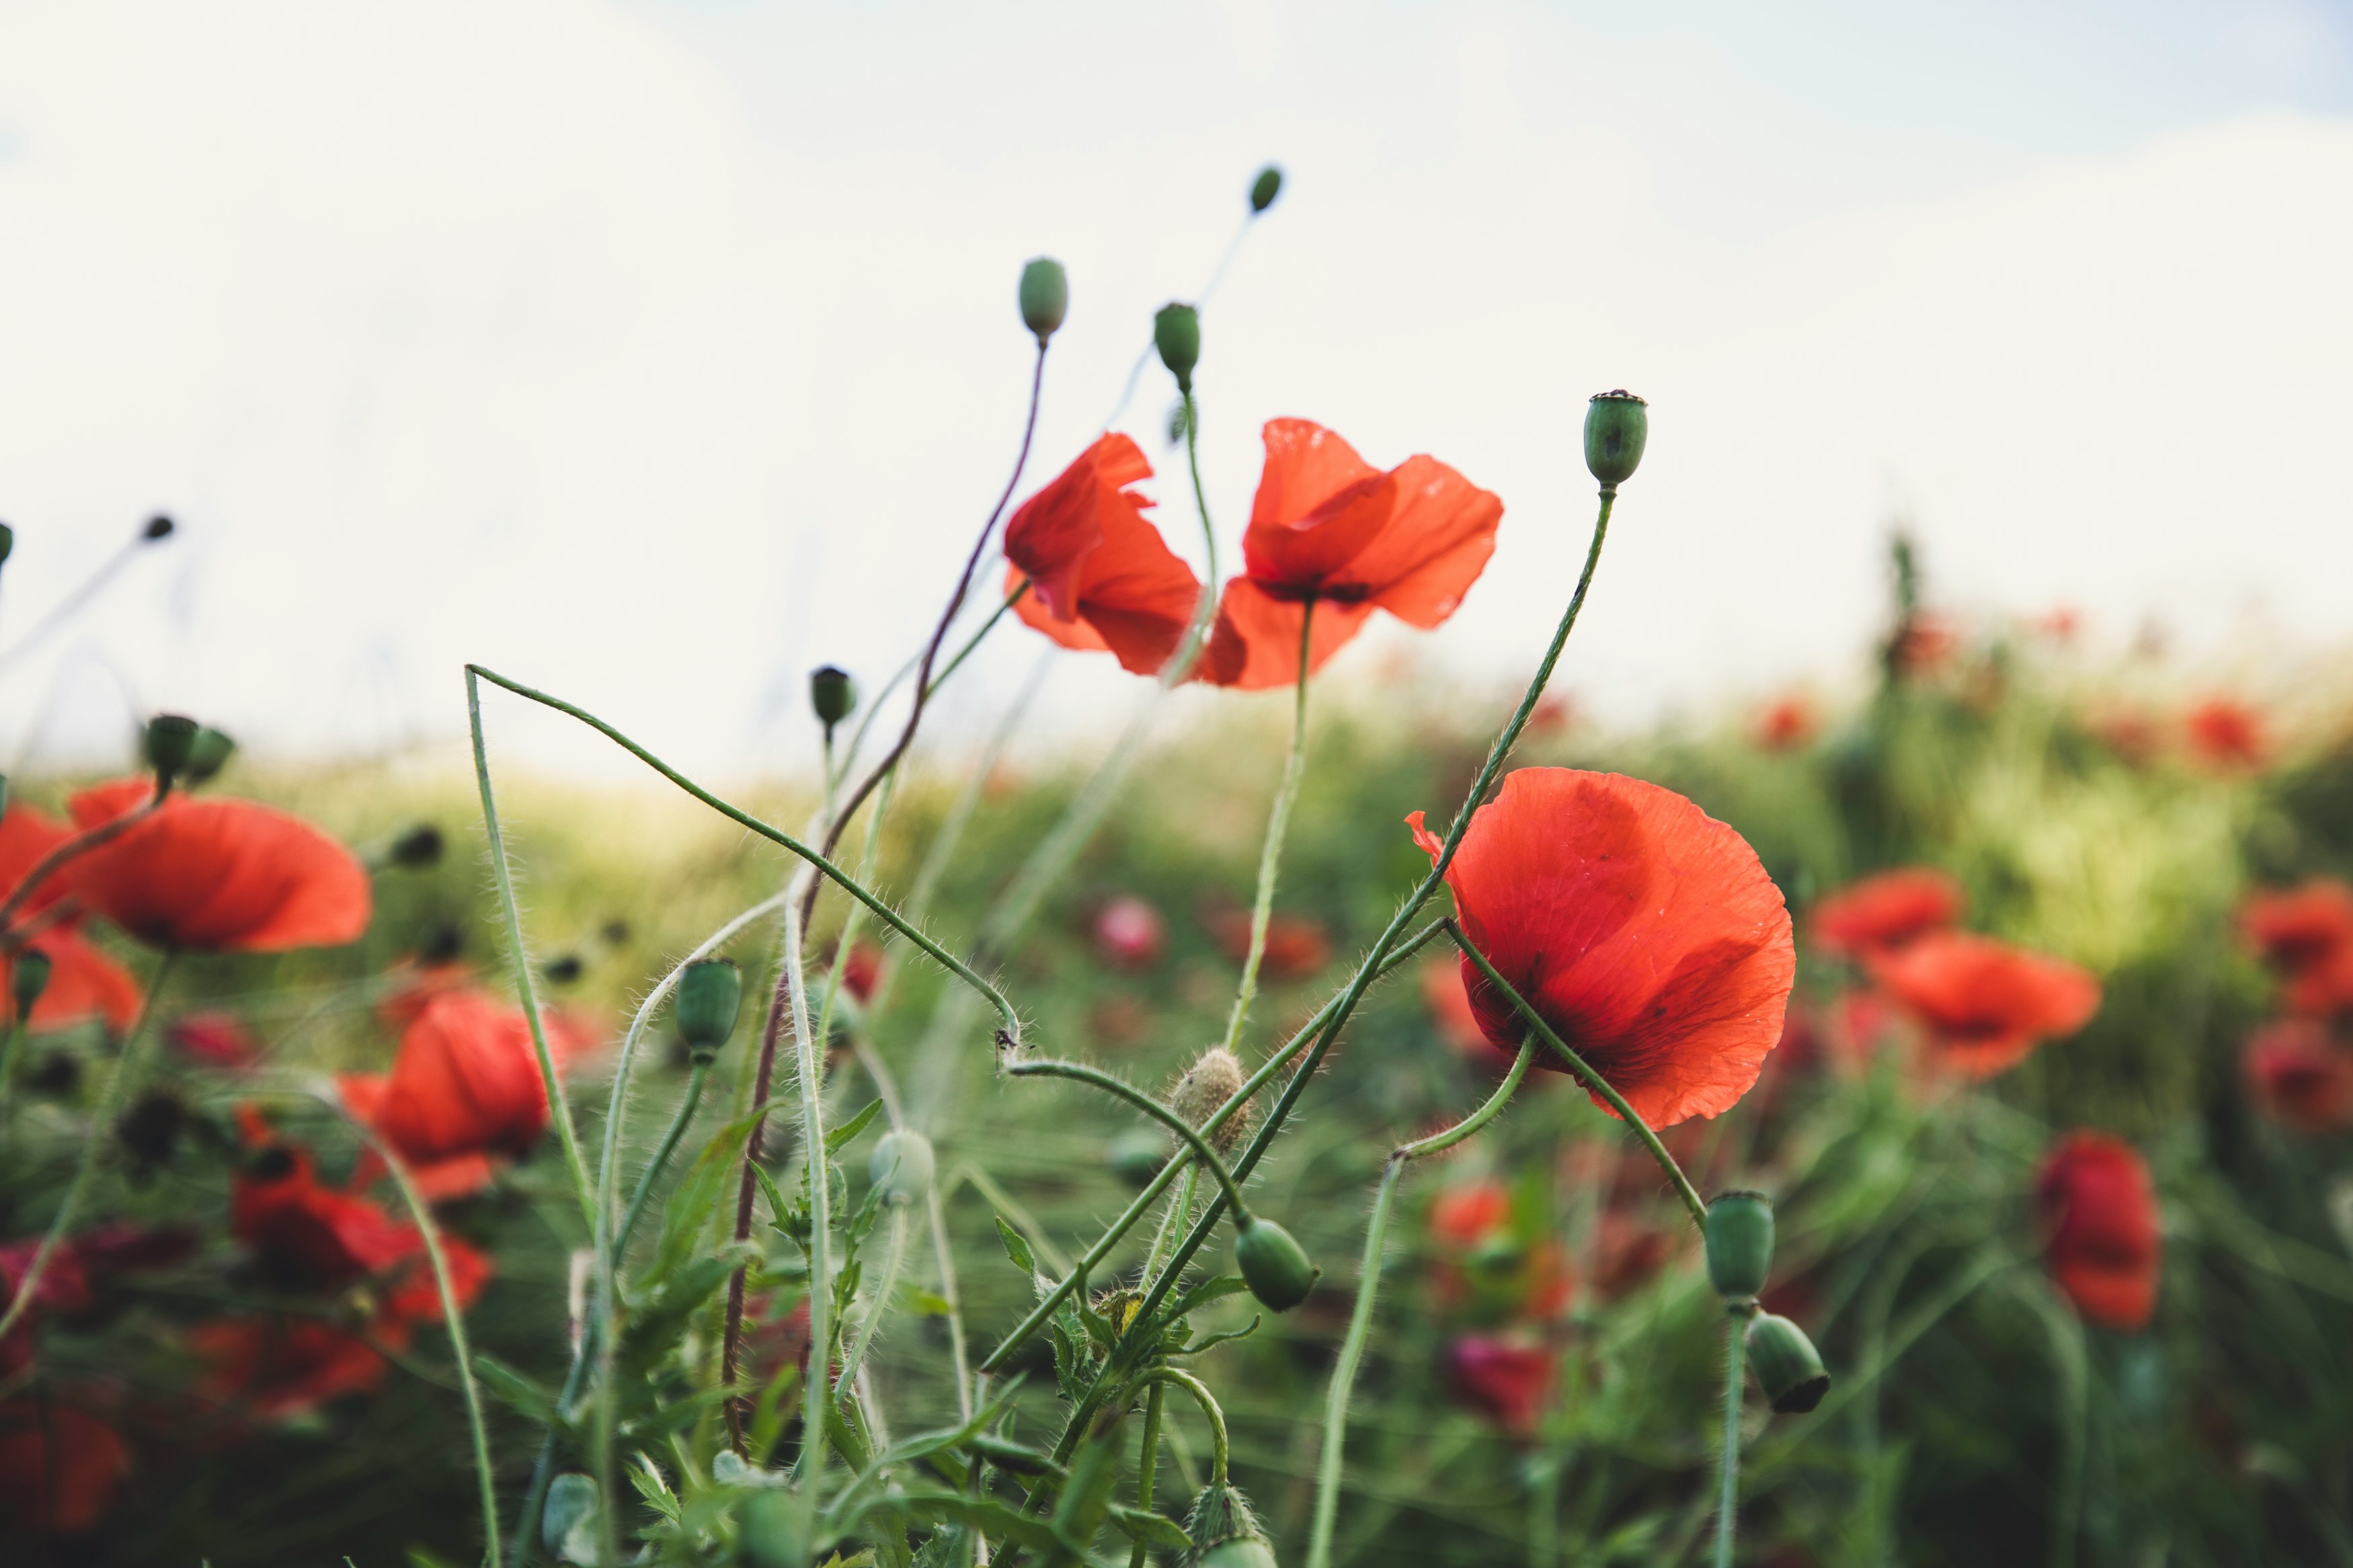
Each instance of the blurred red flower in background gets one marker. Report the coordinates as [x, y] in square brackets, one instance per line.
[218, 875]
[1881, 912]
[2305, 934]
[2299, 1076]
[1643, 930]
[1503, 1380]
[861, 969]
[306, 1234]
[59, 1466]
[1327, 526]
[1101, 577]
[1787, 723]
[213, 1038]
[1924, 643]
[2226, 734]
[1296, 946]
[1129, 932]
[1985, 1004]
[2101, 1238]
[83, 982]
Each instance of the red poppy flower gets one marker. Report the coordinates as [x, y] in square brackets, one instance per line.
[58, 1467]
[1462, 1216]
[1296, 946]
[1643, 930]
[414, 1295]
[1329, 528]
[2099, 1214]
[861, 969]
[2299, 1076]
[1882, 912]
[311, 1234]
[84, 984]
[2306, 933]
[2227, 734]
[1129, 932]
[1787, 724]
[1101, 577]
[26, 838]
[214, 1040]
[276, 1367]
[1985, 1004]
[1924, 644]
[1628, 1253]
[1506, 1381]
[217, 874]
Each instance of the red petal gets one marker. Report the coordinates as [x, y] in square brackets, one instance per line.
[1054, 531]
[1255, 644]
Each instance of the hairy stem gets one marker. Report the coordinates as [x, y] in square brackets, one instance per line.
[1727, 1496]
[893, 1259]
[1278, 822]
[1148, 1464]
[1081, 1073]
[1208, 1402]
[651, 1174]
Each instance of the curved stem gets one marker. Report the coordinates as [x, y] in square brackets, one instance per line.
[1439, 1143]
[71, 849]
[559, 1109]
[1208, 1403]
[1591, 1079]
[1009, 1021]
[1148, 1464]
[1344, 1372]
[661, 1160]
[102, 1119]
[1727, 1496]
[1270, 855]
[1081, 1073]
[893, 1259]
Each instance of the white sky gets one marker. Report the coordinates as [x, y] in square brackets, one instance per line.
[655, 353]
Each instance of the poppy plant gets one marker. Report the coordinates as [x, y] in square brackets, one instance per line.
[2305, 934]
[1329, 529]
[2300, 1077]
[2227, 734]
[2102, 1237]
[307, 1234]
[1985, 1004]
[1101, 577]
[1881, 913]
[218, 875]
[1644, 931]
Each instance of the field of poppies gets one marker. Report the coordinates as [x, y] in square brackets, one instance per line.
[1908, 1128]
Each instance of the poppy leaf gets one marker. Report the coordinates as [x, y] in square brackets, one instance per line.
[1016, 1248]
[525, 1395]
[1155, 1529]
[837, 1139]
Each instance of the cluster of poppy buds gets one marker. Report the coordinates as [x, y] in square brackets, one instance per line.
[1739, 1243]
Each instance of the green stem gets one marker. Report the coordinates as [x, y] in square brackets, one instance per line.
[1148, 1464]
[102, 1121]
[816, 1398]
[1439, 1143]
[893, 1259]
[973, 642]
[1208, 1403]
[1011, 1023]
[16, 1032]
[559, 1110]
[661, 1160]
[943, 1260]
[1278, 822]
[1079, 1072]
[1591, 1079]
[2073, 1386]
[1727, 1496]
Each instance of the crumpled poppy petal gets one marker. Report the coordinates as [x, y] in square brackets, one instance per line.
[1437, 540]
[1255, 644]
[1052, 535]
[1885, 911]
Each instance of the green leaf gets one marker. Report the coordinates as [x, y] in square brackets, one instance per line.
[1151, 1528]
[523, 1395]
[927, 1304]
[647, 1477]
[780, 1210]
[835, 1139]
[991, 1518]
[1016, 1249]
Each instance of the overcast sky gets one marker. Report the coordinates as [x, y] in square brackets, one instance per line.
[655, 351]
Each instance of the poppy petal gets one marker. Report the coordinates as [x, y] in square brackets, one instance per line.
[1438, 540]
[1255, 644]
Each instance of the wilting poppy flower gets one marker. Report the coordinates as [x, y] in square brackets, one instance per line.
[1881, 912]
[1787, 723]
[2299, 1076]
[1641, 930]
[84, 984]
[308, 1234]
[2101, 1241]
[214, 1040]
[1129, 932]
[861, 969]
[1100, 574]
[1503, 1381]
[1985, 1004]
[1328, 528]
[1295, 946]
[217, 874]
[59, 1466]
[2306, 933]
[2226, 734]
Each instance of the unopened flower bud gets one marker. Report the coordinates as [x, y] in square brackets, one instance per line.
[1225, 1532]
[902, 1166]
[1740, 1244]
[1616, 423]
[833, 693]
[158, 527]
[1272, 1265]
[710, 995]
[563, 969]
[209, 755]
[28, 977]
[419, 847]
[1789, 1368]
[1213, 1080]
[7, 541]
[1176, 333]
[1136, 1155]
[1045, 297]
[168, 743]
[1266, 187]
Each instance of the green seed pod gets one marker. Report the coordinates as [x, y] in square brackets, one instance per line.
[1616, 423]
[1272, 1265]
[28, 977]
[168, 743]
[1789, 1368]
[1045, 297]
[209, 755]
[1266, 187]
[1740, 1244]
[710, 995]
[1176, 333]
[567, 1520]
[1225, 1532]
[1136, 1154]
[419, 847]
[902, 1165]
[833, 693]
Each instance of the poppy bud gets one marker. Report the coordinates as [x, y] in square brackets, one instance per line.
[1045, 297]
[1136, 1155]
[1616, 423]
[565, 969]
[440, 942]
[419, 847]
[1265, 188]
[1274, 1265]
[902, 1166]
[1740, 1244]
[1176, 333]
[566, 1518]
[158, 527]
[833, 693]
[209, 755]
[7, 541]
[28, 977]
[710, 995]
[1225, 1532]
[168, 743]
[1789, 1368]
[1207, 1084]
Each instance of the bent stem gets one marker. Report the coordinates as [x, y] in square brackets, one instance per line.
[661, 1160]
[102, 1119]
[1278, 822]
[1208, 1403]
[1360, 1319]
[1207, 1157]
[1727, 1496]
